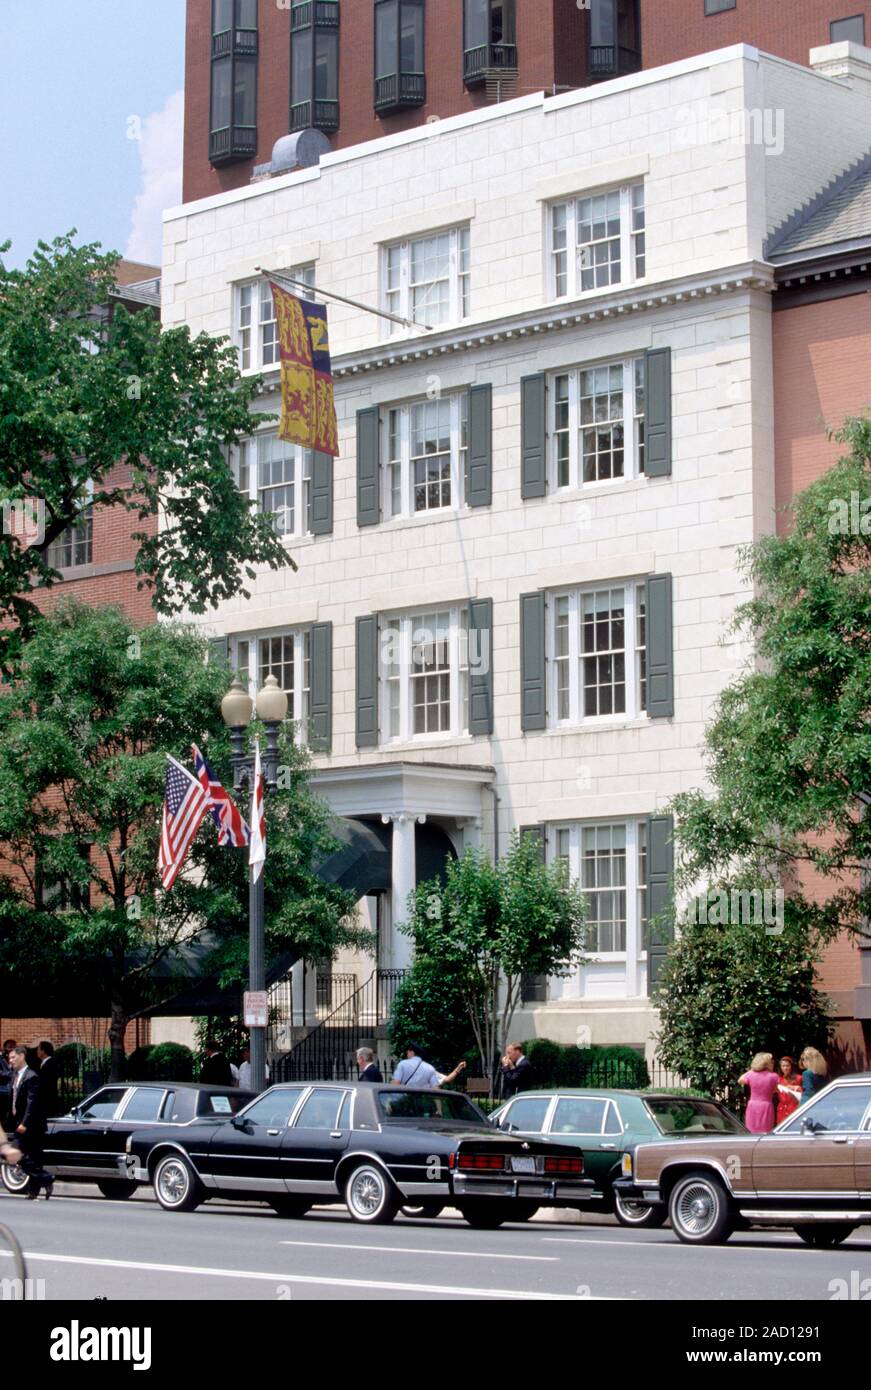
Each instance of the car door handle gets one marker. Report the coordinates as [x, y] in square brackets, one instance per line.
[335, 1134]
[842, 1139]
[273, 1131]
[607, 1146]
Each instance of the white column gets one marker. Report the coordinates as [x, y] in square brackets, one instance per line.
[471, 828]
[297, 986]
[404, 882]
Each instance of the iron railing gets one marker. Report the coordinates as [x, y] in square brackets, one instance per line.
[488, 59]
[399, 90]
[609, 60]
[329, 1051]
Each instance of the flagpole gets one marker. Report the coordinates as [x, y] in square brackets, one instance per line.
[354, 303]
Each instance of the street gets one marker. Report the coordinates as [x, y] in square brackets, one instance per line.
[84, 1247]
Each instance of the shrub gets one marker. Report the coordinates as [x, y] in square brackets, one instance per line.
[171, 1061]
[428, 1009]
[139, 1065]
[559, 1064]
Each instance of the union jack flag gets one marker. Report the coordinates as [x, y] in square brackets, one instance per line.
[184, 805]
[232, 829]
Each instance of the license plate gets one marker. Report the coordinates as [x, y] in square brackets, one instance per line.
[523, 1165]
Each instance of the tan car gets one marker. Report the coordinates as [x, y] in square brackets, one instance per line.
[812, 1173]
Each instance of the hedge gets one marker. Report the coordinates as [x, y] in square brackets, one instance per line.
[560, 1064]
[167, 1061]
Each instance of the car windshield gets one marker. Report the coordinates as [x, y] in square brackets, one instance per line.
[686, 1115]
[428, 1105]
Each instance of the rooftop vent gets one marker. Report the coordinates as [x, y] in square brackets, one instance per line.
[301, 150]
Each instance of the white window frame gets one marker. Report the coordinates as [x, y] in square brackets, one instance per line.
[245, 460]
[399, 299]
[248, 326]
[634, 951]
[633, 425]
[632, 242]
[458, 405]
[398, 632]
[635, 667]
[84, 524]
[298, 709]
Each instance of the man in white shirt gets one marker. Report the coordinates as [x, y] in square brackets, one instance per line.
[243, 1076]
[414, 1071]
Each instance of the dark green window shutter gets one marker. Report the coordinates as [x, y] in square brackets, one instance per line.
[657, 413]
[368, 466]
[367, 682]
[219, 649]
[481, 666]
[321, 687]
[660, 872]
[533, 434]
[320, 512]
[533, 662]
[660, 647]
[479, 454]
[533, 987]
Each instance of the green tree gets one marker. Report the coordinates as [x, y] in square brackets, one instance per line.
[789, 748]
[78, 396]
[492, 923]
[729, 991]
[84, 732]
[430, 1008]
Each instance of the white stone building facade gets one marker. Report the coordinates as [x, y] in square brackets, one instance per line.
[512, 612]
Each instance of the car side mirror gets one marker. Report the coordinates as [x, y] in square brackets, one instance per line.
[808, 1127]
[239, 1122]
[76, 1112]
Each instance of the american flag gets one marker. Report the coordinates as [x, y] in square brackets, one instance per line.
[257, 856]
[184, 805]
[232, 829]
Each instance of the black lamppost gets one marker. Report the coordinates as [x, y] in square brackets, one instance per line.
[237, 708]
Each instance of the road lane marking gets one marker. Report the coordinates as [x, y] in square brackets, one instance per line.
[278, 1278]
[784, 1243]
[413, 1250]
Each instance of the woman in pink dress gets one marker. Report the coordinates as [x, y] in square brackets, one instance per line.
[762, 1080]
[788, 1089]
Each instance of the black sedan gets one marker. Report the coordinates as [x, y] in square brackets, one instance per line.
[86, 1144]
[373, 1148]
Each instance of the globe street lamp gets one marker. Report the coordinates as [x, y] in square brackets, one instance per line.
[237, 708]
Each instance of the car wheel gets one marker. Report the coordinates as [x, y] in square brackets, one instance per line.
[370, 1195]
[14, 1178]
[824, 1237]
[427, 1210]
[487, 1214]
[699, 1210]
[119, 1191]
[176, 1185]
[291, 1208]
[638, 1214]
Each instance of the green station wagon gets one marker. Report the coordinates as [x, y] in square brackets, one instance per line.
[604, 1124]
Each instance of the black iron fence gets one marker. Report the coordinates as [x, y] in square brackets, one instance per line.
[329, 1051]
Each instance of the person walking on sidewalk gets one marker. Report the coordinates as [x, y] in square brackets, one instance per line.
[29, 1122]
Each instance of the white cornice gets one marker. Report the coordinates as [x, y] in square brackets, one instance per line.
[607, 307]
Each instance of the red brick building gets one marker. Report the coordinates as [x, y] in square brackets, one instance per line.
[673, 29]
[822, 348]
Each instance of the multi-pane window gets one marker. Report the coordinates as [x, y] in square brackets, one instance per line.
[424, 664]
[598, 651]
[314, 67]
[489, 39]
[233, 99]
[400, 75]
[425, 460]
[597, 424]
[597, 240]
[610, 864]
[427, 279]
[284, 655]
[277, 478]
[256, 328]
[75, 545]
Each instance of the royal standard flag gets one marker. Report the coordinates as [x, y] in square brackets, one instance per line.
[308, 409]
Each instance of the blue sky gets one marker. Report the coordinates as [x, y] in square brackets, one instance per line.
[79, 79]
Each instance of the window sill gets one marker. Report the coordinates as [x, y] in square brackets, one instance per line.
[584, 296]
[597, 726]
[403, 523]
[428, 741]
[405, 335]
[580, 492]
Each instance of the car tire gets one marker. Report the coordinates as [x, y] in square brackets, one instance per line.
[824, 1237]
[14, 1179]
[699, 1209]
[638, 1214]
[370, 1196]
[176, 1185]
[424, 1210]
[291, 1208]
[117, 1191]
[486, 1214]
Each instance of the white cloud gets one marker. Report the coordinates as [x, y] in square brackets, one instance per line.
[160, 153]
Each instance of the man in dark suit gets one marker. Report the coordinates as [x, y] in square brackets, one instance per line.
[6, 1082]
[368, 1066]
[518, 1073]
[47, 1080]
[215, 1070]
[29, 1124]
